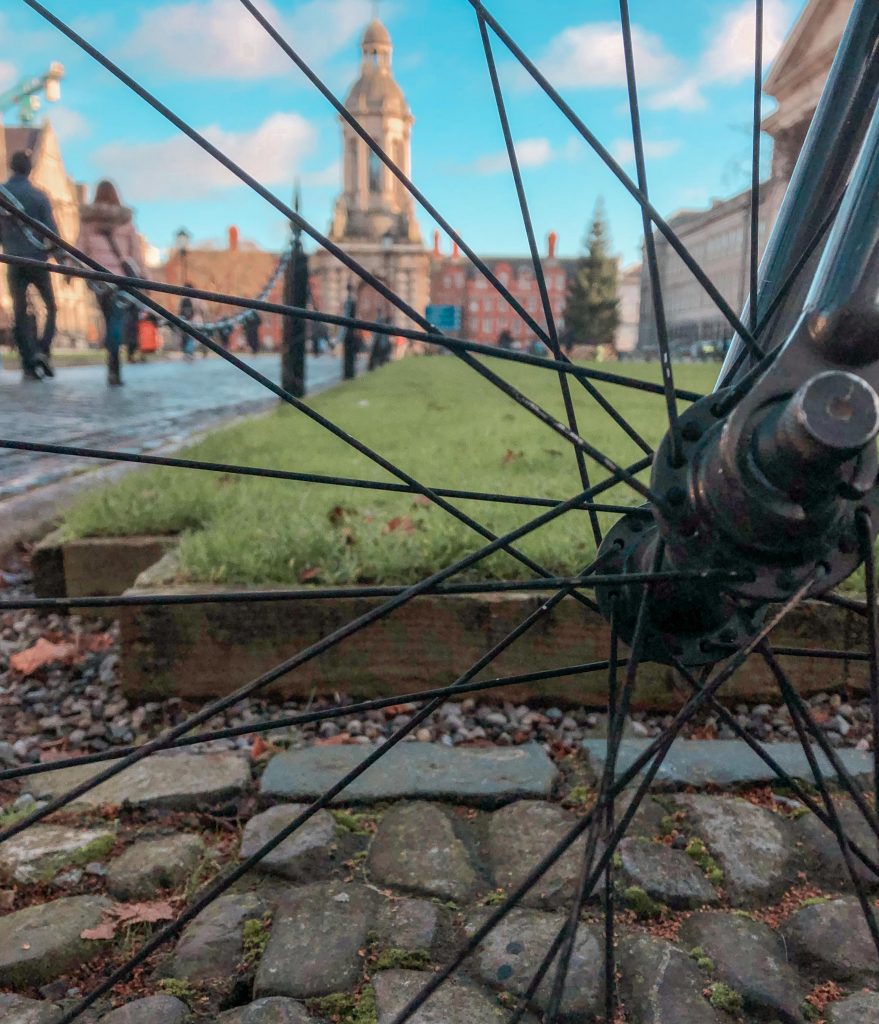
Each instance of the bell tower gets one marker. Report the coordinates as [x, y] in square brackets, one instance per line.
[374, 216]
[373, 203]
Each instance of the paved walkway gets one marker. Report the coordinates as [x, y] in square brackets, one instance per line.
[162, 404]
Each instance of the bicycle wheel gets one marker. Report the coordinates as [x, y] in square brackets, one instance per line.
[760, 495]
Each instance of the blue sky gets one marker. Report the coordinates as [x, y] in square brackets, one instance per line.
[214, 66]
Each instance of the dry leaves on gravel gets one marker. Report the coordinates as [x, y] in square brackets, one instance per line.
[129, 913]
[47, 652]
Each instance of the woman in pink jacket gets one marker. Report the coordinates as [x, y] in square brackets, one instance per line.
[108, 235]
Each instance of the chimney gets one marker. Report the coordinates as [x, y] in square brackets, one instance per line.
[233, 239]
[552, 242]
[436, 244]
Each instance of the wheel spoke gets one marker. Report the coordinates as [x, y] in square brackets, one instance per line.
[553, 342]
[616, 718]
[761, 750]
[675, 441]
[845, 779]
[755, 165]
[798, 718]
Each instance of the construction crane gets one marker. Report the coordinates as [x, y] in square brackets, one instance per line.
[25, 94]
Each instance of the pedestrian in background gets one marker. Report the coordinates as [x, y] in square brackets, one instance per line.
[108, 236]
[35, 359]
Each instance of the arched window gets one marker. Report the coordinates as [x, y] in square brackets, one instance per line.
[375, 172]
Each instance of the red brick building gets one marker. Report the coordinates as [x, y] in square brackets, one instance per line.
[484, 313]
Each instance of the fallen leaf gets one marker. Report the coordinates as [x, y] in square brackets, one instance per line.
[403, 523]
[338, 513]
[311, 573]
[258, 747]
[510, 456]
[103, 933]
[334, 741]
[129, 913]
[43, 653]
[25, 945]
[422, 500]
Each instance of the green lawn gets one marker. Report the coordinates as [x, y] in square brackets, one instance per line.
[435, 418]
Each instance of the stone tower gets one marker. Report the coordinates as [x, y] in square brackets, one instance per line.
[374, 216]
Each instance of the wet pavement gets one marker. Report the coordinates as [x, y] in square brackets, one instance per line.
[162, 404]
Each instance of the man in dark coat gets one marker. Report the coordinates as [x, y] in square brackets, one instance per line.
[17, 243]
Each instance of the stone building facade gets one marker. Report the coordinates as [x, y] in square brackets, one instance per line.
[78, 315]
[374, 217]
[719, 238]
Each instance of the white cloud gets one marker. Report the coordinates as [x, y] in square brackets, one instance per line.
[686, 95]
[176, 168]
[589, 55]
[728, 57]
[221, 39]
[531, 153]
[8, 73]
[68, 124]
[623, 150]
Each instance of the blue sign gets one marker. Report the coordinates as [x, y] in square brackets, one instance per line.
[446, 318]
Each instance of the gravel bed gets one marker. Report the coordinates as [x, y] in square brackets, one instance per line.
[64, 709]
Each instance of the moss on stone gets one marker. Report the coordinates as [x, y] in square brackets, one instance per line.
[637, 900]
[579, 795]
[813, 901]
[357, 823]
[97, 849]
[347, 1007]
[255, 938]
[723, 997]
[402, 959]
[698, 851]
[667, 825]
[495, 897]
[179, 988]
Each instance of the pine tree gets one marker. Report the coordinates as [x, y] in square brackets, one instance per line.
[592, 312]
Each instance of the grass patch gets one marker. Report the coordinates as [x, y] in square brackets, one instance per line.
[433, 417]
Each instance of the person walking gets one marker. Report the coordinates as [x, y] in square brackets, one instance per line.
[35, 354]
[108, 236]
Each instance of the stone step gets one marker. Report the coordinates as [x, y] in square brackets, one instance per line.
[414, 771]
[726, 762]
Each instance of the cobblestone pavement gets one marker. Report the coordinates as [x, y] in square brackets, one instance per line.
[731, 907]
[161, 404]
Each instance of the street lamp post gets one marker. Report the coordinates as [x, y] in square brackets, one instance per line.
[295, 294]
[182, 243]
[387, 249]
